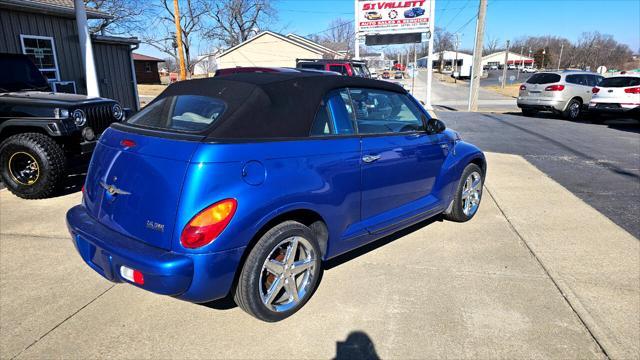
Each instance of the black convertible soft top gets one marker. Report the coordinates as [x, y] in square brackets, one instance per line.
[269, 105]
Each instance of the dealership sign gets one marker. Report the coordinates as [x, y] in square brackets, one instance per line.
[386, 17]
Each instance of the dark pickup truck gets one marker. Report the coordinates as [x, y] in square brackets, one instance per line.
[40, 131]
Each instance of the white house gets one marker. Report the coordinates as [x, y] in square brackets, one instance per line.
[497, 58]
[270, 49]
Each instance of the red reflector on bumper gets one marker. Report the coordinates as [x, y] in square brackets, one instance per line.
[134, 276]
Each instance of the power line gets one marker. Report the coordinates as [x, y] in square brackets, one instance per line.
[458, 13]
[331, 28]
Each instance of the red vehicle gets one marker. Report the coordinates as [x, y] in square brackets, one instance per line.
[399, 67]
[344, 67]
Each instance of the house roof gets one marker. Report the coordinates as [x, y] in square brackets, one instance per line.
[502, 54]
[279, 36]
[140, 57]
[312, 44]
[58, 7]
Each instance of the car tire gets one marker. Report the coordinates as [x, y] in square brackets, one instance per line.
[32, 165]
[466, 202]
[529, 112]
[573, 110]
[257, 280]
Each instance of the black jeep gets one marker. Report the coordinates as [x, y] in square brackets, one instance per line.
[40, 131]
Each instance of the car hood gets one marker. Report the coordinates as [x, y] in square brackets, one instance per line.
[49, 98]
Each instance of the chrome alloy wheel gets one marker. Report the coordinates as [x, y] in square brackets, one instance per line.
[574, 110]
[287, 274]
[471, 193]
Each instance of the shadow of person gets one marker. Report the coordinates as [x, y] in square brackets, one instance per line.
[357, 346]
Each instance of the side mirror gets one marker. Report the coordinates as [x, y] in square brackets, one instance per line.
[434, 126]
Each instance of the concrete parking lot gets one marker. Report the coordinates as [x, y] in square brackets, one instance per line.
[538, 273]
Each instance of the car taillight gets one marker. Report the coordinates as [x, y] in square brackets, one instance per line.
[634, 90]
[132, 275]
[208, 224]
[554, 88]
[595, 90]
[128, 143]
[522, 87]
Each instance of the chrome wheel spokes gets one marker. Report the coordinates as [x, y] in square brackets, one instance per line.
[287, 274]
[471, 193]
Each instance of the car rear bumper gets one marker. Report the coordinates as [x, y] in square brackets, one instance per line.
[191, 277]
[613, 108]
[539, 103]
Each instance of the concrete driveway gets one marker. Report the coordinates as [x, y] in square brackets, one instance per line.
[537, 274]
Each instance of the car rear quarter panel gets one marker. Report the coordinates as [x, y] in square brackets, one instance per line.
[268, 179]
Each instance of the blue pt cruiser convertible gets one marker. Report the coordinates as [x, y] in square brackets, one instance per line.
[244, 184]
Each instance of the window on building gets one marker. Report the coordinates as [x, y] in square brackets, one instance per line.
[42, 51]
[147, 67]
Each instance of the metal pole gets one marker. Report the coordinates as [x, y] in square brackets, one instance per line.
[413, 70]
[356, 44]
[476, 70]
[504, 68]
[176, 15]
[521, 63]
[86, 49]
[432, 18]
[560, 58]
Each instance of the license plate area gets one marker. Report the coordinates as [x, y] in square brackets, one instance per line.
[98, 259]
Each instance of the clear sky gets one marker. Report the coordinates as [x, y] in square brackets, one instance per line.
[506, 19]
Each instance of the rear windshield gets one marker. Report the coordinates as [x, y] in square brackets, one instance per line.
[621, 81]
[544, 78]
[311, 66]
[187, 113]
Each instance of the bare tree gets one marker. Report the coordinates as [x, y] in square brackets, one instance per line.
[235, 21]
[161, 28]
[492, 44]
[126, 16]
[340, 35]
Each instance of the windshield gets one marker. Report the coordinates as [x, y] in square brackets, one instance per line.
[19, 74]
[621, 81]
[544, 78]
[183, 113]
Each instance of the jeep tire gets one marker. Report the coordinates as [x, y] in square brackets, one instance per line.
[32, 165]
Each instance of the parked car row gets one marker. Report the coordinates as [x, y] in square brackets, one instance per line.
[571, 93]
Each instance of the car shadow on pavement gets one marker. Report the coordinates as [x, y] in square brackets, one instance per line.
[612, 122]
[341, 259]
[357, 346]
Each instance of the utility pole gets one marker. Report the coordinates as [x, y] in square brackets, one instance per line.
[176, 15]
[504, 68]
[521, 63]
[413, 69]
[544, 51]
[533, 62]
[431, 33]
[560, 58]
[476, 70]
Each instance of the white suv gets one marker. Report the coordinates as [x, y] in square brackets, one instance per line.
[564, 92]
[617, 94]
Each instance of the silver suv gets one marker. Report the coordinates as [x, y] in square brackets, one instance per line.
[565, 92]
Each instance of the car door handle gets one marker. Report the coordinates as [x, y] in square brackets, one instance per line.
[370, 158]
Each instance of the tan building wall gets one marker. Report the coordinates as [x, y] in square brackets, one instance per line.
[268, 51]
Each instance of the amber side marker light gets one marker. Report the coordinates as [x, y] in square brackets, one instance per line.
[208, 224]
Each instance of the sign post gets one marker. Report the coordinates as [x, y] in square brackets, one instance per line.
[430, 54]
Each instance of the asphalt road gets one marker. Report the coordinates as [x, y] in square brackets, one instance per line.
[598, 163]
